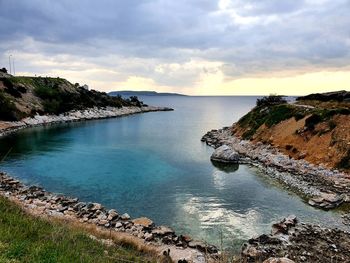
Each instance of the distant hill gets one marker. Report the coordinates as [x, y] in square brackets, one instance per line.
[128, 93]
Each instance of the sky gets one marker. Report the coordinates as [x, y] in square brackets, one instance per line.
[195, 47]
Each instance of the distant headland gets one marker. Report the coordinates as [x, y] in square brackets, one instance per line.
[128, 93]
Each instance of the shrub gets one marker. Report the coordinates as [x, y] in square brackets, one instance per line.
[270, 100]
[135, 101]
[312, 121]
[277, 114]
[7, 109]
[345, 161]
[299, 115]
[10, 88]
[332, 125]
[3, 70]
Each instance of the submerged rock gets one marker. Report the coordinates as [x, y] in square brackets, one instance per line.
[225, 154]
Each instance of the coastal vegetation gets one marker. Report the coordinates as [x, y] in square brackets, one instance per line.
[8, 111]
[314, 127]
[26, 96]
[25, 238]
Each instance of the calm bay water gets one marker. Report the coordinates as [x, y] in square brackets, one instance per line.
[154, 165]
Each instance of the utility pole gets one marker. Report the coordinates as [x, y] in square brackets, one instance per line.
[13, 66]
[10, 62]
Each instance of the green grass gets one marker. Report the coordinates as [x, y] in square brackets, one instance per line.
[24, 238]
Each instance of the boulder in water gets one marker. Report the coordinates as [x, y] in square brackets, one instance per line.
[225, 154]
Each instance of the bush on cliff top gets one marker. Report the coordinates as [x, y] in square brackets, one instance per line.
[270, 100]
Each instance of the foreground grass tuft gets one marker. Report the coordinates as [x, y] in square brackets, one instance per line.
[24, 238]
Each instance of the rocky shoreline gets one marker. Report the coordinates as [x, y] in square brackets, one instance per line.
[77, 115]
[322, 187]
[37, 201]
[291, 241]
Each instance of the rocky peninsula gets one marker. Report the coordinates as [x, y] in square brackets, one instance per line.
[284, 140]
[7, 127]
[322, 187]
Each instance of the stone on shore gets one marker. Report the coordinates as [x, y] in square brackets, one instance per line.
[112, 214]
[125, 216]
[94, 206]
[143, 221]
[225, 154]
[299, 242]
[278, 260]
[327, 200]
[162, 231]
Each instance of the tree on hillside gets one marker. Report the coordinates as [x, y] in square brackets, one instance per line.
[270, 100]
[3, 70]
[135, 101]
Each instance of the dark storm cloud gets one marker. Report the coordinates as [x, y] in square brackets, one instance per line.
[247, 36]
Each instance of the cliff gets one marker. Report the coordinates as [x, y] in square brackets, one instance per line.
[315, 128]
[22, 97]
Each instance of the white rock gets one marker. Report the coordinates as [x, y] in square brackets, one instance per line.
[225, 154]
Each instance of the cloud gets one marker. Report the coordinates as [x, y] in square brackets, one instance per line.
[174, 43]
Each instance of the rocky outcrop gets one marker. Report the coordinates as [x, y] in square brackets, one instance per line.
[325, 188]
[41, 202]
[327, 200]
[80, 115]
[291, 241]
[225, 154]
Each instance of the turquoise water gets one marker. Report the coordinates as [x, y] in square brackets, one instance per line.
[154, 165]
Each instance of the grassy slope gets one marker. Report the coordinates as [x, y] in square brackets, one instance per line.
[25, 96]
[24, 238]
